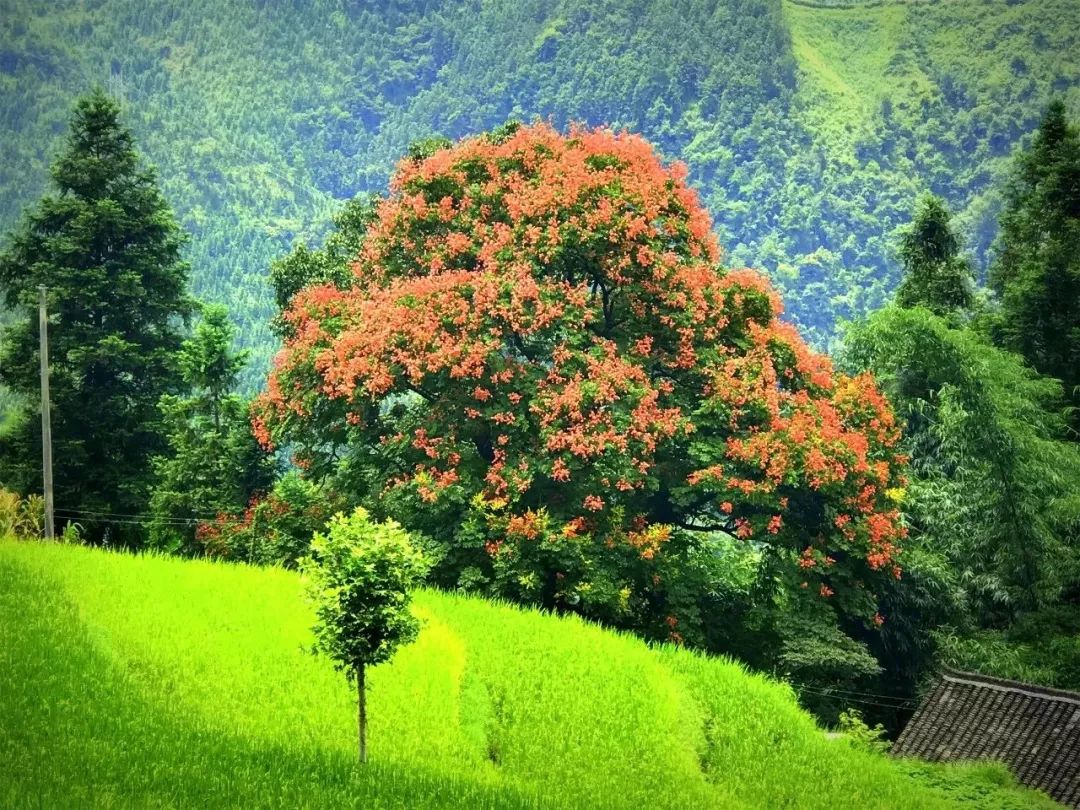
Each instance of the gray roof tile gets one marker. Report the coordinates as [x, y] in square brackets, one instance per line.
[1032, 729]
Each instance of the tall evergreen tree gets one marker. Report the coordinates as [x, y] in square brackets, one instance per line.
[936, 276]
[214, 464]
[108, 247]
[1037, 273]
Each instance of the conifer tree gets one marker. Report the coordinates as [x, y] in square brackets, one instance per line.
[936, 276]
[1037, 274]
[214, 464]
[106, 244]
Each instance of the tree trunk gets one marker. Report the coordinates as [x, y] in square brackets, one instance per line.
[361, 695]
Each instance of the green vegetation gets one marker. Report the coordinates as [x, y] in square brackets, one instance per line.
[808, 130]
[275, 528]
[154, 682]
[993, 560]
[528, 351]
[360, 575]
[212, 463]
[23, 518]
[996, 487]
[994, 496]
[107, 246]
[936, 276]
[1037, 273]
[328, 264]
[900, 98]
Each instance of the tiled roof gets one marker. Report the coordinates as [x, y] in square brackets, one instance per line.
[1032, 729]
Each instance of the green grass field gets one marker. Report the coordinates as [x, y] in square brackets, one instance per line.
[138, 681]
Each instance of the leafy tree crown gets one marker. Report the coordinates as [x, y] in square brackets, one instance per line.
[1037, 271]
[207, 358]
[936, 276]
[359, 575]
[541, 365]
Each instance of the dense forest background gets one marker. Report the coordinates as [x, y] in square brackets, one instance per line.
[808, 127]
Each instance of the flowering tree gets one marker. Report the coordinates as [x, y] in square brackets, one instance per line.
[541, 366]
[274, 529]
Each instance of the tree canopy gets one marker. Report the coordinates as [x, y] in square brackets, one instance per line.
[1037, 273]
[360, 577]
[213, 464]
[994, 486]
[936, 275]
[807, 130]
[540, 366]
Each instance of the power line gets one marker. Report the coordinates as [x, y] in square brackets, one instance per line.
[117, 522]
[94, 517]
[905, 704]
[837, 692]
[850, 691]
[849, 701]
[147, 515]
[144, 520]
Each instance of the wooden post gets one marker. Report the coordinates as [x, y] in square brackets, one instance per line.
[361, 695]
[46, 423]
[251, 545]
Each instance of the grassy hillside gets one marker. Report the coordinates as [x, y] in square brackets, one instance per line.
[142, 681]
[807, 128]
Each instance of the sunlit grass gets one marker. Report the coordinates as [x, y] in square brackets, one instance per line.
[142, 681]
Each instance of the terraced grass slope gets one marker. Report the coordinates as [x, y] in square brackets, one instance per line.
[142, 681]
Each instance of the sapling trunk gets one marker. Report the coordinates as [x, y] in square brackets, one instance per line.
[361, 721]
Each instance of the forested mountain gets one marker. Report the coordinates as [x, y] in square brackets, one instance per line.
[809, 128]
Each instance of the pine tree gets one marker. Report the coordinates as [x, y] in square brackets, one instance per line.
[936, 276]
[1037, 273]
[214, 465]
[108, 247]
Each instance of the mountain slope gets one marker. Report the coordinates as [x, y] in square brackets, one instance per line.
[152, 681]
[903, 97]
[808, 129]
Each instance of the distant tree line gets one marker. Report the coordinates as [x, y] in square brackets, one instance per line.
[288, 109]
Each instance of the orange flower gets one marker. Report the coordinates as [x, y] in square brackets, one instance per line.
[594, 503]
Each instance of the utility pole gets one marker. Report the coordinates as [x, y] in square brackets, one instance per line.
[46, 424]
